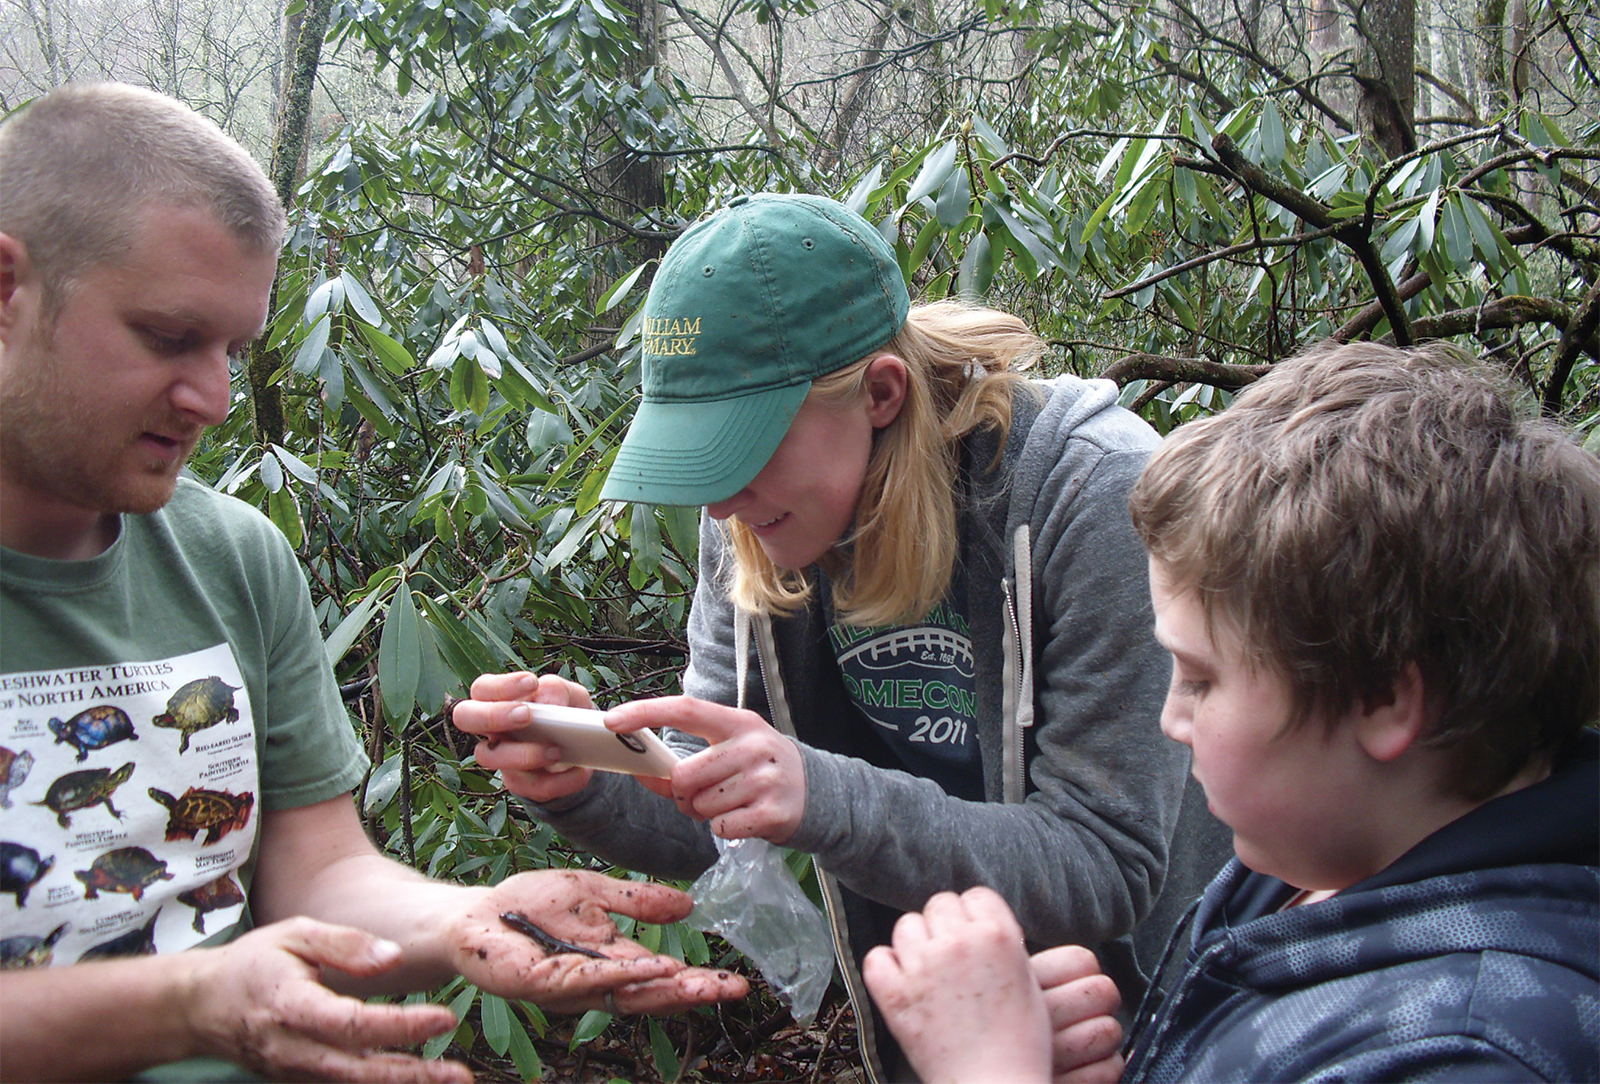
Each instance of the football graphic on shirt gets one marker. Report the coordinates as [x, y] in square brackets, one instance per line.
[925, 645]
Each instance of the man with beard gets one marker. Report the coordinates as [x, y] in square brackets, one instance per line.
[159, 643]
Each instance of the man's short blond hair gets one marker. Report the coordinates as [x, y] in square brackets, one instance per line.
[1362, 508]
[80, 165]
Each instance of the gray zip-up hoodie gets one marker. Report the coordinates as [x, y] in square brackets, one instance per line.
[1083, 793]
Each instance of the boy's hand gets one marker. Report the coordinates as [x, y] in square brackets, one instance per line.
[1086, 1039]
[499, 706]
[750, 782]
[960, 993]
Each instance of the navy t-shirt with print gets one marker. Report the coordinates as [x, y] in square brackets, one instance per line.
[914, 684]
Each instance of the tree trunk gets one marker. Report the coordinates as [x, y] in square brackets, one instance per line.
[1492, 89]
[294, 112]
[1386, 74]
[164, 21]
[288, 150]
[1179, 38]
[630, 185]
[860, 90]
[638, 183]
[1325, 35]
[1521, 49]
[1438, 63]
[43, 19]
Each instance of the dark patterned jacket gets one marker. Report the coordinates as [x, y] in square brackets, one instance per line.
[1475, 957]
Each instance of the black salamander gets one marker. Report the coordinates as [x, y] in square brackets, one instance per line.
[522, 925]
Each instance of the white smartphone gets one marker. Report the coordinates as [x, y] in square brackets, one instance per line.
[584, 740]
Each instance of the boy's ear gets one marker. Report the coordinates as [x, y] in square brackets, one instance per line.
[1391, 724]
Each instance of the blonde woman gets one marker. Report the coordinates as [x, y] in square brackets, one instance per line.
[920, 644]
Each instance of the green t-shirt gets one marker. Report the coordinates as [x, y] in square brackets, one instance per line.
[153, 702]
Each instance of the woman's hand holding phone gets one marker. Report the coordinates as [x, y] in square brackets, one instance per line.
[584, 740]
[749, 782]
[500, 707]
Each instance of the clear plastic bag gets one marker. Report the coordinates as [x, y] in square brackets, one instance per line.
[751, 899]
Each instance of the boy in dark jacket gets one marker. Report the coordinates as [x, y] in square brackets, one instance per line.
[1380, 586]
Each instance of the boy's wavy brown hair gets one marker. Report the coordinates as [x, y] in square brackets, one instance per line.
[1363, 507]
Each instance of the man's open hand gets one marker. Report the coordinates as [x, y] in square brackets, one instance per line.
[575, 906]
[259, 1001]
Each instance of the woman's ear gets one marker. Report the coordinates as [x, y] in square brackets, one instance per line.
[885, 387]
[1391, 724]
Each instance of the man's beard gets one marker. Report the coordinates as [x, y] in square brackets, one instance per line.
[79, 458]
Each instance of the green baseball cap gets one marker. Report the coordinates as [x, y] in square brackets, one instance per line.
[748, 307]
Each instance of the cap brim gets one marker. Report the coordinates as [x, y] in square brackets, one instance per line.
[698, 453]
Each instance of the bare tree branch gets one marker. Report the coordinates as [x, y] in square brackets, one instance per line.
[1578, 335]
[761, 119]
[1182, 371]
[860, 85]
[1501, 313]
[1356, 236]
[1291, 241]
